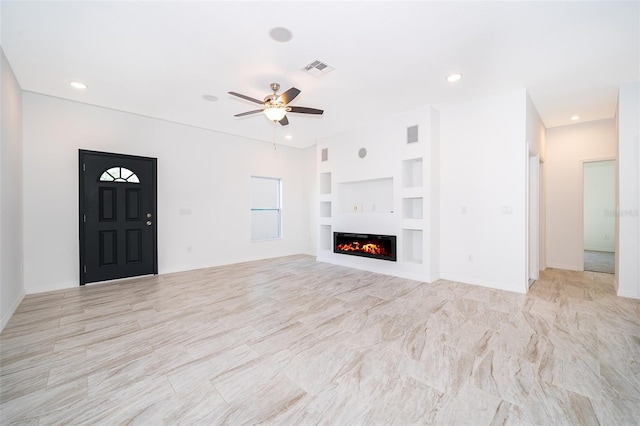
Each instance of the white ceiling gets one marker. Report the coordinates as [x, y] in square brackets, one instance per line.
[157, 59]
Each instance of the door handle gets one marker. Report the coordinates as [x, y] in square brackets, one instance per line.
[148, 223]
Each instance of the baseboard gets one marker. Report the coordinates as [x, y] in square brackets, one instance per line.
[563, 266]
[7, 316]
[53, 287]
[489, 284]
[600, 249]
[409, 275]
[630, 295]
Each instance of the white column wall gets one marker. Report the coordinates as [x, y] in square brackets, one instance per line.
[628, 238]
[11, 278]
[483, 192]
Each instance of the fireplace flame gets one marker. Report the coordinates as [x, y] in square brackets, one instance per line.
[368, 247]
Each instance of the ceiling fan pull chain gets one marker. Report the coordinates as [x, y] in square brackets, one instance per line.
[275, 129]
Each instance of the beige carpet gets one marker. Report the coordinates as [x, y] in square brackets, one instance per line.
[599, 261]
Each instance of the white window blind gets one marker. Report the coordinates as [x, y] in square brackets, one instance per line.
[265, 208]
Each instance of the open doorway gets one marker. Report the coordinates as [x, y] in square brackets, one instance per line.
[599, 219]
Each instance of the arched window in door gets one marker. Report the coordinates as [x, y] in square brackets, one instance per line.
[119, 174]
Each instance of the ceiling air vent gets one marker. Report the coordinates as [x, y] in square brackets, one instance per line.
[318, 68]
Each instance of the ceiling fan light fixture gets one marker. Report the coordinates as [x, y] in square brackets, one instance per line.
[275, 113]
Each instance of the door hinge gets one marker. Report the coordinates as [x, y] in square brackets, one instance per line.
[85, 269]
[85, 218]
[84, 167]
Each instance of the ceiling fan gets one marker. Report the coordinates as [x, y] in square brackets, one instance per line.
[275, 106]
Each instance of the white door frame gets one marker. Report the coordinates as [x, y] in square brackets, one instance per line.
[581, 205]
[533, 217]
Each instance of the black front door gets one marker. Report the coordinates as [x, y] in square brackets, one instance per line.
[118, 232]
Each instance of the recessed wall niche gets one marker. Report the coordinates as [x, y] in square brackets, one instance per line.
[412, 245]
[366, 196]
[412, 173]
[325, 183]
[325, 209]
[325, 237]
[412, 208]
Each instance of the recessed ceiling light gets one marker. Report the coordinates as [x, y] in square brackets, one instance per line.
[280, 34]
[575, 117]
[210, 98]
[288, 137]
[78, 85]
[454, 77]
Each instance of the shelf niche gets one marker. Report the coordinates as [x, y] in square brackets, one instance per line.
[412, 208]
[366, 196]
[412, 173]
[325, 237]
[325, 209]
[325, 183]
[412, 246]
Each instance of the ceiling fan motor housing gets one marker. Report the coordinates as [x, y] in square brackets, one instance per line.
[275, 106]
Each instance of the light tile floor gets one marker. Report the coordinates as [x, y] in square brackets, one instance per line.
[293, 341]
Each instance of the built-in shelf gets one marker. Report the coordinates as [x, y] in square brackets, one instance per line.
[388, 192]
[412, 208]
[325, 238]
[325, 209]
[412, 246]
[325, 183]
[366, 196]
[412, 173]
[412, 224]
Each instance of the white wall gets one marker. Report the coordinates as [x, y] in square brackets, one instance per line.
[11, 278]
[204, 172]
[628, 238]
[568, 147]
[599, 205]
[483, 192]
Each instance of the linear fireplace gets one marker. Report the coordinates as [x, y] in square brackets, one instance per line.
[366, 245]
